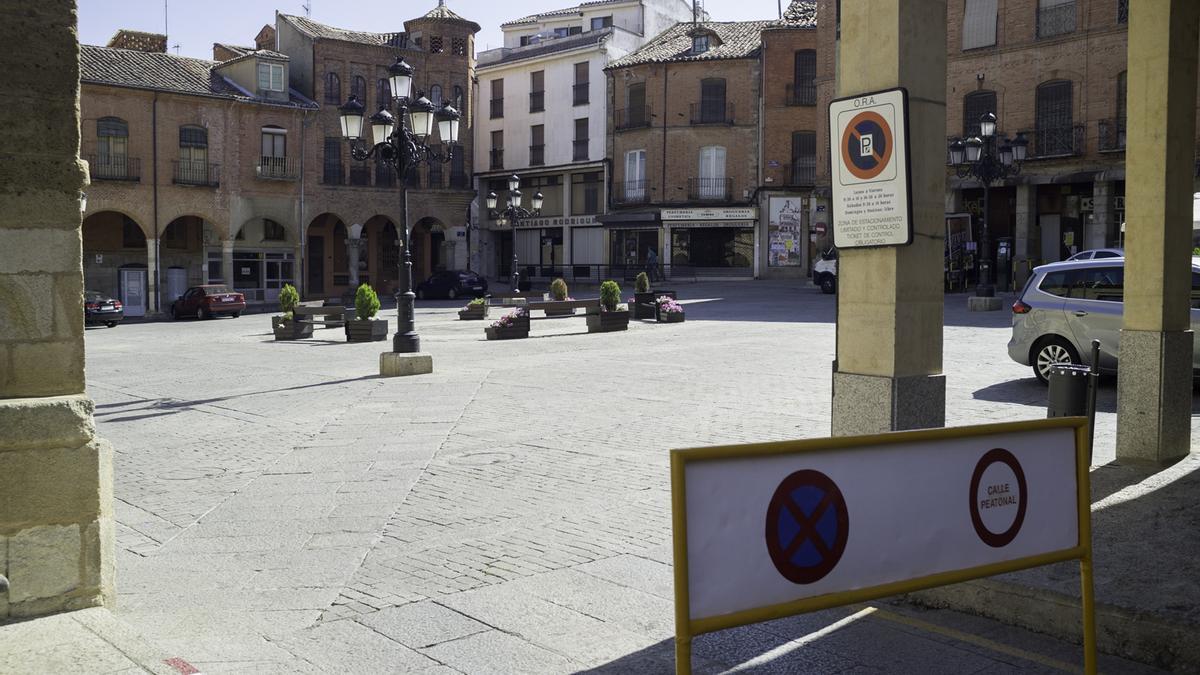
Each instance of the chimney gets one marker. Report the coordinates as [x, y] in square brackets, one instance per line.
[265, 38]
[139, 41]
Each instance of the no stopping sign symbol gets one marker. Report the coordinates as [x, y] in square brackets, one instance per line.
[867, 145]
[807, 526]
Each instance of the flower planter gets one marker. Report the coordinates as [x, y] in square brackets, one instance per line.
[670, 317]
[506, 332]
[287, 329]
[604, 322]
[366, 330]
[473, 312]
[643, 305]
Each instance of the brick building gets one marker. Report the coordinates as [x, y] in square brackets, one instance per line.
[233, 170]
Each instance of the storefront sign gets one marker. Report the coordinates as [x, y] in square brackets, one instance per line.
[559, 221]
[784, 231]
[746, 213]
[872, 193]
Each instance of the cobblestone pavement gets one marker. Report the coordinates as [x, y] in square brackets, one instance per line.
[282, 508]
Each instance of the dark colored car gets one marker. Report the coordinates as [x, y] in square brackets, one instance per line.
[452, 284]
[99, 308]
[204, 302]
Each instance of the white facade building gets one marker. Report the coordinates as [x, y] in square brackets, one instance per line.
[541, 111]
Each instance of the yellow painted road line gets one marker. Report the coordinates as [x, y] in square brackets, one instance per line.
[960, 636]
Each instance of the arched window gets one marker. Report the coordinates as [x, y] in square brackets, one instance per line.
[435, 95]
[458, 98]
[360, 88]
[333, 88]
[383, 93]
[975, 105]
[1055, 134]
[712, 100]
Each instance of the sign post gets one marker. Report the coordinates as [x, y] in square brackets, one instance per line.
[872, 190]
[769, 530]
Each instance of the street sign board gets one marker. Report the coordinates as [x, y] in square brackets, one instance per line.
[770, 530]
[871, 186]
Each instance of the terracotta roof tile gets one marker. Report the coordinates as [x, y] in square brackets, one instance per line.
[739, 40]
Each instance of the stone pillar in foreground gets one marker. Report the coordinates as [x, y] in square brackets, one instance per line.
[889, 360]
[152, 304]
[1154, 387]
[56, 518]
[227, 263]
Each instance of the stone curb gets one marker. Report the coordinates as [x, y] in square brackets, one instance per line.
[126, 640]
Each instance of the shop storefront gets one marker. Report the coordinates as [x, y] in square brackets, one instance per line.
[260, 275]
[717, 242]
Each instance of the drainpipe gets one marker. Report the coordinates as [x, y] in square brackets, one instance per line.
[663, 197]
[301, 265]
[154, 183]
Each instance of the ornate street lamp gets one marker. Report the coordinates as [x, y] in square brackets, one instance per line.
[989, 157]
[404, 142]
[515, 213]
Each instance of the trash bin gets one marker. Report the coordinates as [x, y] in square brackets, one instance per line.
[1067, 395]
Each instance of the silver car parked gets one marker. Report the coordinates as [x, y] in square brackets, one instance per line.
[1066, 305]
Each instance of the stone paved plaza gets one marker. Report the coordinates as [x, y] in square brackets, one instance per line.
[281, 508]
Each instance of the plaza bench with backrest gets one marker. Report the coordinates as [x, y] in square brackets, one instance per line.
[513, 299]
[334, 316]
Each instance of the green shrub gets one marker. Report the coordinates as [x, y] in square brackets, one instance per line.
[477, 301]
[288, 299]
[366, 302]
[1196, 251]
[641, 283]
[558, 289]
[610, 295]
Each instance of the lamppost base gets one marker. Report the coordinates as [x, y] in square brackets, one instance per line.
[406, 343]
[976, 303]
[392, 364]
[985, 291]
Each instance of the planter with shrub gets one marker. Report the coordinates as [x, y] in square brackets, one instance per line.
[558, 291]
[365, 327]
[611, 315]
[666, 310]
[511, 326]
[643, 299]
[284, 326]
[475, 310]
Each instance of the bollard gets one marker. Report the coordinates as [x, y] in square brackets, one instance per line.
[1067, 395]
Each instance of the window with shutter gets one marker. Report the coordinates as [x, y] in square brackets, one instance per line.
[712, 100]
[712, 173]
[979, 24]
[635, 175]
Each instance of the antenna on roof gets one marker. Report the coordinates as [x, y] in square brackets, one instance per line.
[307, 9]
[166, 29]
[694, 10]
[176, 48]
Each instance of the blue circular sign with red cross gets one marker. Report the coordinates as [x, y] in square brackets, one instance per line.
[807, 526]
[867, 145]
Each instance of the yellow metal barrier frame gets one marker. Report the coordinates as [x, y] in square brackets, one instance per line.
[686, 628]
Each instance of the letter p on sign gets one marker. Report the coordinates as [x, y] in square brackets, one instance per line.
[865, 145]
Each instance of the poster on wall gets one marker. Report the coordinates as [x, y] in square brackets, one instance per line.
[784, 229]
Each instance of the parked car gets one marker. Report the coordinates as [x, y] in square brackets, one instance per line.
[452, 284]
[1095, 253]
[824, 271]
[204, 302]
[1065, 305]
[99, 308]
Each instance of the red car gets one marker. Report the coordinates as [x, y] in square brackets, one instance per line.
[204, 302]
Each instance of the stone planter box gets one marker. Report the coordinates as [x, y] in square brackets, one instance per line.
[366, 330]
[643, 305]
[676, 317]
[287, 329]
[604, 322]
[514, 332]
[473, 312]
[568, 311]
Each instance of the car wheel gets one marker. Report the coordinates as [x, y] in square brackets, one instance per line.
[828, 284]
[202, 313]
[452, 294]
[174, 313]
[1051, 352]
[110, 324]
[236, 314]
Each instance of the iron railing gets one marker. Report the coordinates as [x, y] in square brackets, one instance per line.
[802, 172]
[537, 154]
[360, 175]
[115, 167]
[801, 94]
[579, 151]
[496, 159]
[1112, 135]
[632, 118]
[1057, 20]
[333, 174]
[1060, 141]
[593, 273]
[192, 172]
[709, 189]
[631, 192]
[385, 175]
[579, 93]
[278, 168]
[712, 113]
[537, 101]
[497, 107]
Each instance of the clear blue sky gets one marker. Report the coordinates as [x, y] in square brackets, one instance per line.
[195, 24]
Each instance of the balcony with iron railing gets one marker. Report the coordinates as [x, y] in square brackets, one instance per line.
[496, 159]
[1112, 135]
[537, 155]
[537, 101]
[497, 107]
[1055, 21]
[278, 168]
[360, 175]
[115, 167]
[632, 118]
[631, 192]
[710, 189]
[579, 150]
[1058, 141]
[579, 93]
[802, 173]
[191, 172]
[711, 113]
[333, 174]
[801, 94]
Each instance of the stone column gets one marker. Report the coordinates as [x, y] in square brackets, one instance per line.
[566, 254]
[1026, 241]
[1101, 231]
[353, 250]
[151, 276]
[889, 333]
[1154, 387]
[227, 262]
[56, 501]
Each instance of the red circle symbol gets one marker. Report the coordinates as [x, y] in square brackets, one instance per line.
[867, 145]
[807, 526]
[998, 539]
